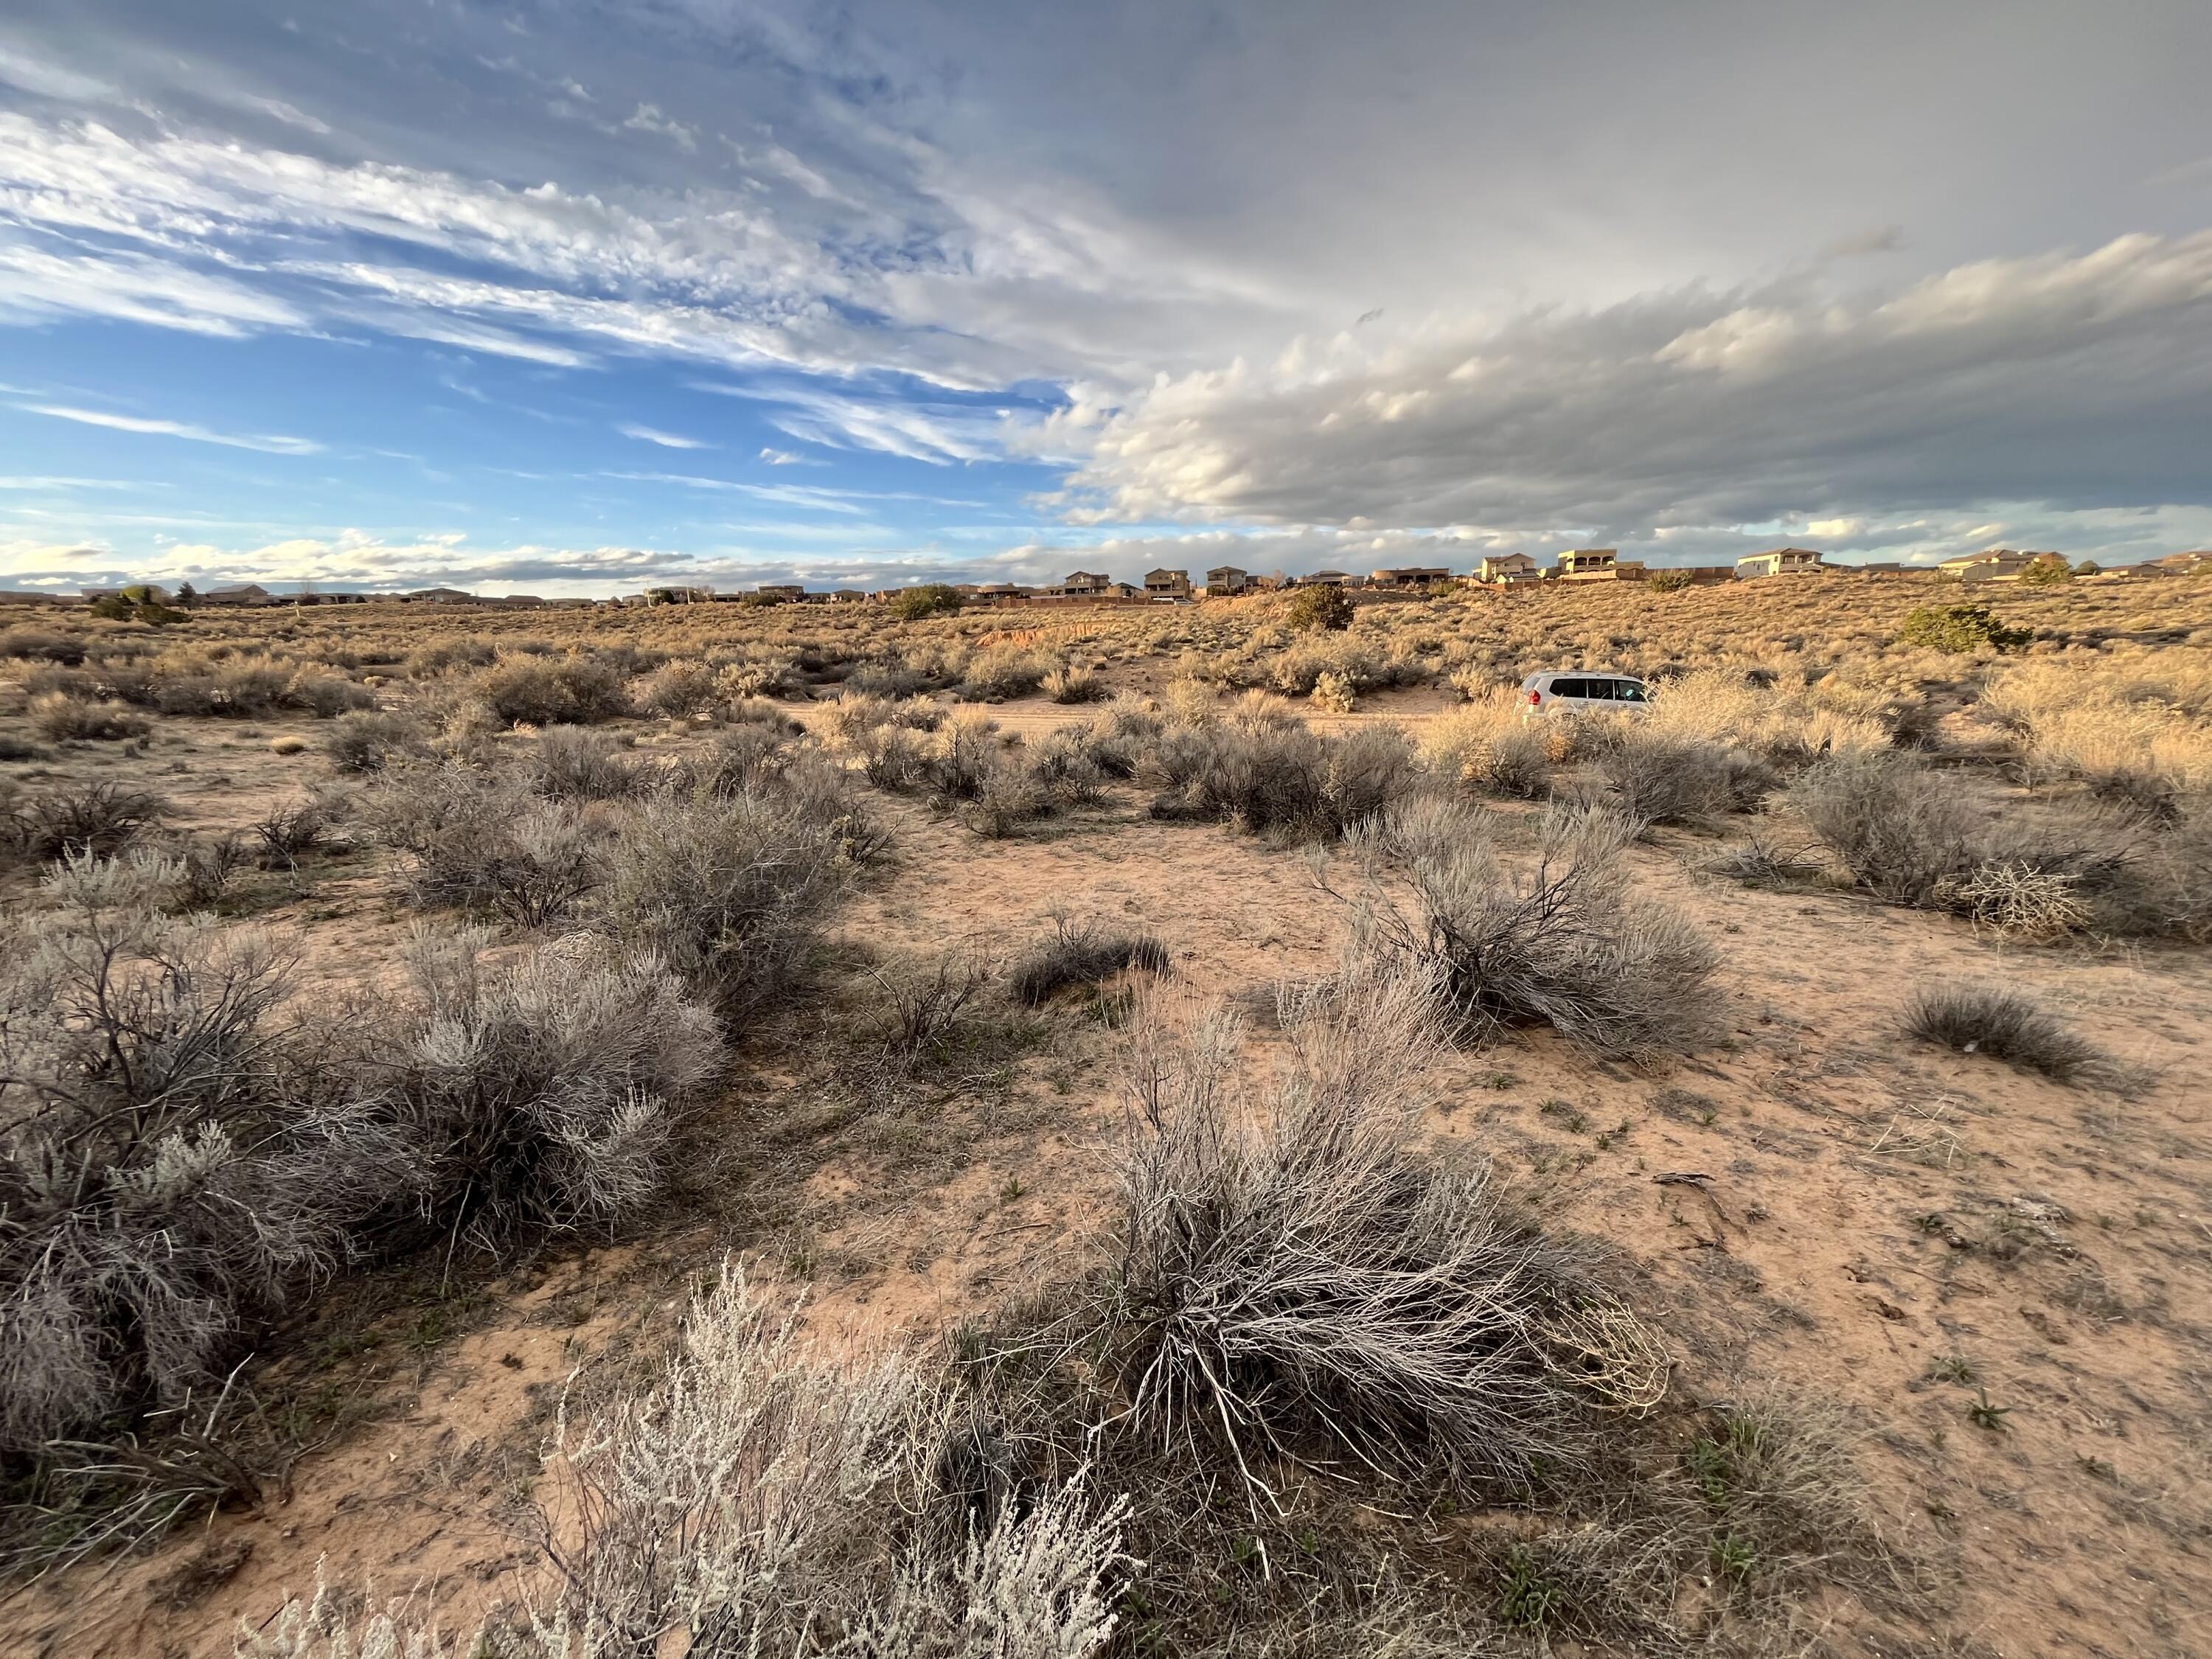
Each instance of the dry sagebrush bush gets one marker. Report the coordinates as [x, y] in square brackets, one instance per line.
[170, 1156]
[1280, 781]
[570, 763]
[367, 741]
[1913, 835]
[482, 841]
[575, 691]
[60, 718]
[99, 818]
[1488, 745]
[732, 895]
[1289, 1275]
[1554, 937]
[763, 1499]
[540, 1091]
[1662, 779]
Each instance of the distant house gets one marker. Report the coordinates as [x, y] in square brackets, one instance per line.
[1588, 564]
[847, 596]
[1996, 565]
[2183, 564]
[25, 596]
[1419, 578]
[1779, 561]
[1225, 579]
[1082, 584]
[997, 594]
[438, 595]
[1325, 578]
[244, 593]
[780, 592]
[1167, 584]
[1505, 569]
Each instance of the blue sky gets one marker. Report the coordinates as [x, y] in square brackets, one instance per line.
[568, 297]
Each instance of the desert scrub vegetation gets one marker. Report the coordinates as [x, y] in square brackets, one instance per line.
[1911, 834]
[1957, 629]
[2136, 731]
[763, 1498]
[1659, 778]
[1488, 746]
[1299, 1342]
[574, 690]
[99, 818]
[1297, 1276]
[1086, 954]
[1552, 935]
[1244, 1421]
[189, 1145]
[1262, 772]
[2004, 1025]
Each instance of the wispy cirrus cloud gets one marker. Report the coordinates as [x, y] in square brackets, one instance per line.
[268, 445]
[665, 440]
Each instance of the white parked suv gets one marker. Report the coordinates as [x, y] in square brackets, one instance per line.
[1576, 693]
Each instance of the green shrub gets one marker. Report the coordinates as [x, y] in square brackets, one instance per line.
[2046, 570]
[1666, 581]
[930, 599]
[1324, 608]
[1957, 628]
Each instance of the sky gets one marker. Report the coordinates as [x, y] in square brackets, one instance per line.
[580, 296]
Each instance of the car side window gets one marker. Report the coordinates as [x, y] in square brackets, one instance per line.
[1598, 690]
[1629, 691]
[1568, 689]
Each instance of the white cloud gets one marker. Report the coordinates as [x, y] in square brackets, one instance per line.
[2054, 377]
[665, 440]
[199, 434]
[37, 284]
[786, 457]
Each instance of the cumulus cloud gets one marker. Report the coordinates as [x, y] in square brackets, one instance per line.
[2077, 380]
[199, 434]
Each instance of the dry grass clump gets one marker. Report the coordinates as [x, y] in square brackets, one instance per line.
[1278, 780]
[2005, 1025]
[1084, 954]
[999, 673]
[764, 1499]
[2137, 732]
[1296, 1278]
[1073, 682]
[1785, 720]
[203, 680]
[1555, 938]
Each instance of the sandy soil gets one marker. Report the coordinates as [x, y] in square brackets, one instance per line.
[1873, 1207]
